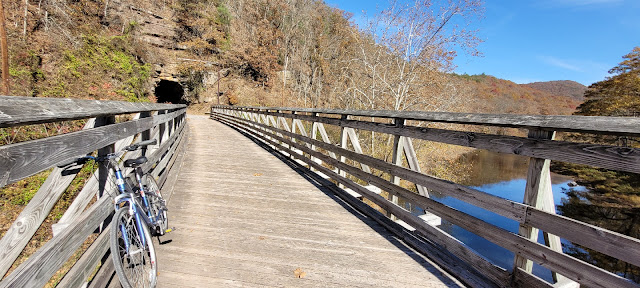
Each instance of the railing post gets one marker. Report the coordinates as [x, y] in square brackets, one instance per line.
[538, 193]
[103, 174]
[161, 128]
[103, 168]
[275, 123]
[412, 160]
[145, 135]
[293, 125]
[171, 125]
[397, 150]
[265, 120]
[343, 144]
[314, 134]
[397, 160]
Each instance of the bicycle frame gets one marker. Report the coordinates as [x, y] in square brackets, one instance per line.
[128, 196]
[141, 206]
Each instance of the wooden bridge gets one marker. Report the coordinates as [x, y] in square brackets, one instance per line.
[257, 200]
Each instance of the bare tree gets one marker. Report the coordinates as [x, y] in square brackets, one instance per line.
[4, 49]
[24, 22]
[419, 40]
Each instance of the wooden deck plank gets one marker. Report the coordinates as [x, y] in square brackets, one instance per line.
[243, 218]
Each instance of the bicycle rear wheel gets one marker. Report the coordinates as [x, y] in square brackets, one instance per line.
[157, 205]
[135, 262]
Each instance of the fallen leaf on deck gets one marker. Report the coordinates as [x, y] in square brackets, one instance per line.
[299, 273]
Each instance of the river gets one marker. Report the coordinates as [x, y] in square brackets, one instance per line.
[502, 175]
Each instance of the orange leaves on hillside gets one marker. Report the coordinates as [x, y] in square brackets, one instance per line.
[503, 96]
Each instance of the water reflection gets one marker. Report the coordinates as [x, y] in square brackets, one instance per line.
[505, 176]
[512, 190]
[597, 209]
[490, 167]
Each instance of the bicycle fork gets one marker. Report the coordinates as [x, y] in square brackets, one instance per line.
[139, 221]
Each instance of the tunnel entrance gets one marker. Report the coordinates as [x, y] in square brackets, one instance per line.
[169, 92]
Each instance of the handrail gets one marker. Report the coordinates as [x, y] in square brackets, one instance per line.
[164, 122]
[621, 126]
[17, 110]
[277, 128]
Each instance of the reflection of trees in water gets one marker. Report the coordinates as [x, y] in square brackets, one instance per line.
[603, 210]
[492, 167]
[489, 167]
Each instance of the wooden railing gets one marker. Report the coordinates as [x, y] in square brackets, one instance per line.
[286, 130]
[84, 217]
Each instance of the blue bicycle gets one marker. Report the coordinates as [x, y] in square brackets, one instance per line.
[140, 214]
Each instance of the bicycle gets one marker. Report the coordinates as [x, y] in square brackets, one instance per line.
[137, 208]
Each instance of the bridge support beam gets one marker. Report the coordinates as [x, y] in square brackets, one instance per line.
[538, 194]
[404, 145]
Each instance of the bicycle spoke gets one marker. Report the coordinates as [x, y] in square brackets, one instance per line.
[137, 265]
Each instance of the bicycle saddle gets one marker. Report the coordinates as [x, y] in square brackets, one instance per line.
[133, 163]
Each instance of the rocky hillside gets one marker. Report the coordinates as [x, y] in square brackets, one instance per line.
[116, 50]
[268, 53]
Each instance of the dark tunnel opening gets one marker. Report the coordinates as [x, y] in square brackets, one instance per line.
[169, 92]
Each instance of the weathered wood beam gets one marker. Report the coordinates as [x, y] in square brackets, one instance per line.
[82, 269]
[325, 138]
[15, 110]
[623, 126]
[22, 229]
[537, 194]
[43, 264]
[604, 156]
[24, 159]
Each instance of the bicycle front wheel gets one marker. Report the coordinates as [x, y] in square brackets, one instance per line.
[132, 251]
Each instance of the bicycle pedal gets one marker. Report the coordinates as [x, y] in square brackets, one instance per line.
[169, 230]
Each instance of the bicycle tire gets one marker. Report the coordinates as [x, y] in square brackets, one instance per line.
[139, 268]
[157, 204]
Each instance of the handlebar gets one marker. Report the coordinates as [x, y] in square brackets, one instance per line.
[84, 159]
[80, 160]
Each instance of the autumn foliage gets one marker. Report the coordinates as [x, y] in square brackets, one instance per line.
[619, 94]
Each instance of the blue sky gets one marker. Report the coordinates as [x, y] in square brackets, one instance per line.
[543, 40]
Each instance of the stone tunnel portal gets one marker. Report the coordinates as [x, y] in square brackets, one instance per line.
[168, 91]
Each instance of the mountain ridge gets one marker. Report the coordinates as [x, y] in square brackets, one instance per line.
[498, 95]
[561, 87]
